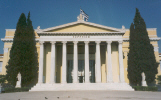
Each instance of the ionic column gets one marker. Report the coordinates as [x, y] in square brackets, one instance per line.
[52, 74]
[122, 80]
[40, 80]
[86, 62]
[64, 67]
[98, 64]
[75, 63]
[109, 63]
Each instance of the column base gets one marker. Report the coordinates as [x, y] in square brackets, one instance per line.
[122, 82]
[75, 82]
[98, 81]
[87, 82]
[52, 82]
[40, 83]
[64, 83]
[110, 82]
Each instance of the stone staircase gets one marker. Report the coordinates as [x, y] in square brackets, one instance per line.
[82, 86]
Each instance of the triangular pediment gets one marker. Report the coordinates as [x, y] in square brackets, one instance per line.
[81, 27]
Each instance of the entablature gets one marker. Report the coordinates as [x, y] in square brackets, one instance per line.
[78, 33]
[151, 39]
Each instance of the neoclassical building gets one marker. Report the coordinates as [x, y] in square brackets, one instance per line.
[81, 56]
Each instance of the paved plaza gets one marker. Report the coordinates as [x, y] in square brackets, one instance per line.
[82, 95]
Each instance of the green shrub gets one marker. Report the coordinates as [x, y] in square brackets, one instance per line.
[24, 89]
[2, 79]
[7, 85]
[159, 79]
[4, 83]
[145, 88]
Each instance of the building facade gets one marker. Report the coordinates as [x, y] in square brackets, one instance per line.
[81, 56]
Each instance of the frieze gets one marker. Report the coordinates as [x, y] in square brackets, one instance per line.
[81, 36]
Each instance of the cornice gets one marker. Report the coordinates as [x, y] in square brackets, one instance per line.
[10, 29]
[124, 39]
[11, 40]
[6, 40]
[73, 23]
[151, 39]
[81, 22]
[15, 29]
[149, 29]
[13, 36]
[79, 33]
[155, 39]
[148, 35]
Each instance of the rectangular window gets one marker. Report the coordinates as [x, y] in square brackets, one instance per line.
[1, 66]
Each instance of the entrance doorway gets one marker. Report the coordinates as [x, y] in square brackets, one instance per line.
[69, 71]
[81, 71]
[92, 71]
[81, 74]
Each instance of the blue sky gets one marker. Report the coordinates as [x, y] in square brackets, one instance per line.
[50, 13]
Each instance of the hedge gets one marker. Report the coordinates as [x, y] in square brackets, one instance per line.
[8, 90]
[145, 88]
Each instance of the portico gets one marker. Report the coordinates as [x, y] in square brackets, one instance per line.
[86, 44]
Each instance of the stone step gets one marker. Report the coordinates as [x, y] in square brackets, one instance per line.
[82, 86]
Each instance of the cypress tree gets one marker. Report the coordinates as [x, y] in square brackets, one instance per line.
[30, 72]
[141, 56]
[14, 64]
[133, 70]
[23, 54]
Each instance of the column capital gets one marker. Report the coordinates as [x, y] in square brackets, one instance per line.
[75, 42]
[52, 42]
[64, 42]
[120, 41]
[109, 42]
[98, 42]
[41, 42]
[86, 42]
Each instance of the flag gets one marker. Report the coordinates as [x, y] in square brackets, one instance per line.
[84, 14]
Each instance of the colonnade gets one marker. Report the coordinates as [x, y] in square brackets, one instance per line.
[75, 62]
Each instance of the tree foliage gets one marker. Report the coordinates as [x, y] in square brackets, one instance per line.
[15, 62]
[159, 79]
[141, 56]
[30, 70]
[23, 54]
